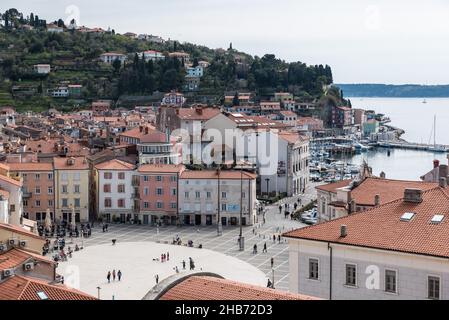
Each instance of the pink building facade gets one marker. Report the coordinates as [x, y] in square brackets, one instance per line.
[38, 188]
[159, 193]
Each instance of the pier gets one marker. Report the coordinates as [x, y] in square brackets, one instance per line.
[413, 146]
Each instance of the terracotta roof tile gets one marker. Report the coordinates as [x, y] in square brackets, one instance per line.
[210, 288]
[24, 288]
[212, 174]
[15, 257]
[387, 189]
[115, 164]
[332, 187]
[162, 168]
[153, 135]
[198, 113]
[61, 163]
[30, 166]
[16, 229]
[382, 228]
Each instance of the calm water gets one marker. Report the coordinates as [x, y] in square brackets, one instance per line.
[416, 119]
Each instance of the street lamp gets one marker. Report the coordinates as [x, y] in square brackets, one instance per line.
[268, 181]
[272, 278]
[241, 239]
[219, 226]
[98, 288]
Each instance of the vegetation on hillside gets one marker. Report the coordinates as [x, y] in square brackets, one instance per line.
[73, 56]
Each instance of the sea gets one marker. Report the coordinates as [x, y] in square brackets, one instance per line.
[417, 119]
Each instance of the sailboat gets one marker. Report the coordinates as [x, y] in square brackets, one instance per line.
[435, 147]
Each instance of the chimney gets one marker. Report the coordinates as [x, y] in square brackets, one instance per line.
[436, 163]
[377, 200]
[443, 182]
[351, 206]
[140, 128]
[413, 195]
[382, 175]
[343, 231]
[146, 130]
[199, 110]
[443, 171]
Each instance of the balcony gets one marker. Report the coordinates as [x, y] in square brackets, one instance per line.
[26, 194]
[135, 196]
[135, 181]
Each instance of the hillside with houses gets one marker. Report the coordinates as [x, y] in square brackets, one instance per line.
[51, 64]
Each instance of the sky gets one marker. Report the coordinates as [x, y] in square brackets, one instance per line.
[383, 41]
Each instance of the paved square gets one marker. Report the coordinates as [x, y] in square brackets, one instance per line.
[260, 234]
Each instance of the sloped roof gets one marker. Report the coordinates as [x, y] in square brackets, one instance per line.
[382, 228]
[115, 164]
[211, 288]
[25, 288]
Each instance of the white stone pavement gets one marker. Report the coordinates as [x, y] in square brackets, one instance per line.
[88, 268]
[104, 257]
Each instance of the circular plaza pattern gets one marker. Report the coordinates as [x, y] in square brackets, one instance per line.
[140, 262]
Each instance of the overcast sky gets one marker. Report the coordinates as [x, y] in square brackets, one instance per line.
[384, 41]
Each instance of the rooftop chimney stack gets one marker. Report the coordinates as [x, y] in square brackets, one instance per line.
[436, 163]
[413, 195]
[343, 231]
[377, 200]
[351, 206]
[443, 182]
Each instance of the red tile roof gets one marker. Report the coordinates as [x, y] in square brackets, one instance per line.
[115, 164]
[332, 187]
[153, 135]
[62, 163]
[198, 113]
[387, 189]
[16, 229]
[15, 257]
[382, 228]
[292, 137]
[24, 288]
[211, 288]
[30, 166]
[212, 174]
[160, 168]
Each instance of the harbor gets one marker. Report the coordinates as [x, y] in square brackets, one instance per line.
[340, 157]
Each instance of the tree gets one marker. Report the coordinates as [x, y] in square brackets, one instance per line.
[235, 100]
[60, 23]
[230, 46]
[117, 64]
[31, 20]
[195, 63]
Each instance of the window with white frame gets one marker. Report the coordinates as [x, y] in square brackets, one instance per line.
[351, 275]
[433, 287]
[390, 281]
[313, 269]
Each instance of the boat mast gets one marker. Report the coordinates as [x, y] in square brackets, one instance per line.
[434, 130]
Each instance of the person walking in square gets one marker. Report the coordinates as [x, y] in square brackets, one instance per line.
[183, 264]
[280, 209]
[162, 257]
[168, 256]
[109, 277]
[264, 247]
[113, 275]
[272, 262]
[157, 279]
[119, 275]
